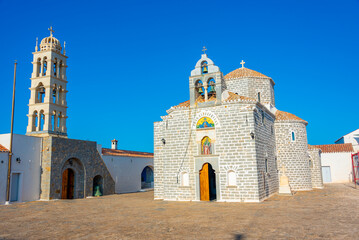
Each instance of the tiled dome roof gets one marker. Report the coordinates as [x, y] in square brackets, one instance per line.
[244, 72]
[286, 116]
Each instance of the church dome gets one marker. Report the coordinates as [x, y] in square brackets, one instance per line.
[50, 43]
[244, 72]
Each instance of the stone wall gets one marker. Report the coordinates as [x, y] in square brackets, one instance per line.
[233, 150]
[250, 87]
[82, 157]
[315, 165]
[293, 154]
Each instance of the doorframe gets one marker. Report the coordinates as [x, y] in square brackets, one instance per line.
[199, 161]
[75, 183]
[20, 185]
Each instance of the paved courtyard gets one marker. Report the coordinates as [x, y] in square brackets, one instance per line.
[331, 213]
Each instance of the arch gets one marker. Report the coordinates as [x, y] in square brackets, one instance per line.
[54, 94]
[41, 120]
[207, 179]
[204, 67]
[38, 67]
[184, 179]
[231, 178]
[53, 121]
[147, 178]
[211, 87]
[97, 189]
[73, 188]
[55, 64]
[206, 146]
[44, 66]
[199, 88]
[34, 121]
[40, 93]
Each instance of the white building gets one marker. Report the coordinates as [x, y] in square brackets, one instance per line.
[352, 138]
[25, 167]
[336, 162]
[132, 171]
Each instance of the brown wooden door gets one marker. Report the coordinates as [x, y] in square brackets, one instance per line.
[204, 182]
[71, 184]
[65, 175]
[68, 184]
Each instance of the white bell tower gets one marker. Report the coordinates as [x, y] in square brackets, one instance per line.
[47, 105]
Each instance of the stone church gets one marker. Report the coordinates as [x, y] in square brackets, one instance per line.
[229, 142]
[70, 168]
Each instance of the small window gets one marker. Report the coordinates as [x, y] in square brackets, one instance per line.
[310, 163]
[266, 165]
[293, 136]
[184, 179]
[262, 117]
[271, 130]
[259, 97]
[231, 176]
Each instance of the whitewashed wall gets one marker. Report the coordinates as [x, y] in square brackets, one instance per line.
[126, 171]
[340, 166]
[28, 149]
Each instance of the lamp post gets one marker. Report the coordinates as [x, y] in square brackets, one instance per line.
[11, 137]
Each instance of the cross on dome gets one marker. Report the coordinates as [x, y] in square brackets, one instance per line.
[243, 62]
[51, 31]
[204, 50]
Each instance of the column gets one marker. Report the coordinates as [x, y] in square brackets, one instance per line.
[47, 122]
[38, 121]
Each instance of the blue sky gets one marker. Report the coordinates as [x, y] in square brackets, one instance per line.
[129, 61]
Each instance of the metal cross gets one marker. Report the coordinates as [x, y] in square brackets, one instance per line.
[51, 31]
[243, 62]
[204, 49]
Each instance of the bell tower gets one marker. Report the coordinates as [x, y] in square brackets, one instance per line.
[47, 105]
[205, 82]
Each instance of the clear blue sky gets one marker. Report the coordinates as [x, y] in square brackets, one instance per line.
[129, 61]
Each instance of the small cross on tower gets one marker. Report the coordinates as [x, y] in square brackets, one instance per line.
[204, 50]
[243, 62]
[51, 31]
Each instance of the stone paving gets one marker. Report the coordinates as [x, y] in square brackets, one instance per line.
[331, 213]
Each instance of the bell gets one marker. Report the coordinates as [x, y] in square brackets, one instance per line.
[97, 191]
[205, 69]
[200, 90]
[211, 89]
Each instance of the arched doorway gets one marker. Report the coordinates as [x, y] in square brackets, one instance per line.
[147, 178]
[68, 184]
[97, 186]
[207, 180]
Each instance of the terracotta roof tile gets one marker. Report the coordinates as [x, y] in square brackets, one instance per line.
[125, 153]
[3, 149]
[285, 116]
[232, 97]
[244, 72]
[332, 148]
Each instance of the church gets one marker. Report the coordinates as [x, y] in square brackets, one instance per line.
[229, 142]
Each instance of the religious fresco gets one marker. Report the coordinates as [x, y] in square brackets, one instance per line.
[205, 122]
[206, 146]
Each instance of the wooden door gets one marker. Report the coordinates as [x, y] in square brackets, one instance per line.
[71, 184]
[204, 182]
[65, 181]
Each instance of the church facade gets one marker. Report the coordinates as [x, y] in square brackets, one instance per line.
[229, 142]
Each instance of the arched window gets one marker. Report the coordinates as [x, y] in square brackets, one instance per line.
[44, 66]
[42, 120]
[266, 165]
[38, 67]
[231, 178]
[40, 92]
[199, 88]
[34, 123]
[55, 68]
[206, 146]
[59, 95]
[59, 121]
[54, 95]
[184, 179]
[293, 136]
[211, 87]
[310, 163]
[204, 67]
[259, 97]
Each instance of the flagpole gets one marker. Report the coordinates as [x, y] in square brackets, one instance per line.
[11, 137]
